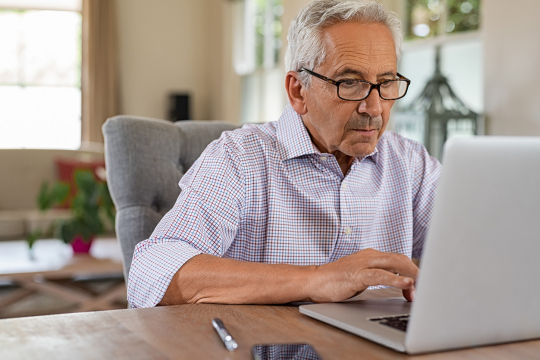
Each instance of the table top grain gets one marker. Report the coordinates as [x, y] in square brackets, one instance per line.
[185, 332]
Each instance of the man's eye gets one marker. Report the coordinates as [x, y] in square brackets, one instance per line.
[349, 83]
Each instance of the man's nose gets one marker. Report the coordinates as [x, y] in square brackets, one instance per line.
[372, 105]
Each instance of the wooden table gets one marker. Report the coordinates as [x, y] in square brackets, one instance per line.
[185, 332]
[53, 261]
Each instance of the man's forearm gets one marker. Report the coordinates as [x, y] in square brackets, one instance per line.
[210, 279]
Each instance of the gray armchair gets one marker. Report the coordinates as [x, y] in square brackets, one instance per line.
[145, 160]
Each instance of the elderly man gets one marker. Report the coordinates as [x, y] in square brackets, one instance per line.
[317, 206]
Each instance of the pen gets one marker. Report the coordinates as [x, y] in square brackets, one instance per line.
[227, 339]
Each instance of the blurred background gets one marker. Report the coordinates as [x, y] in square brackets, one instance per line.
[223, 59]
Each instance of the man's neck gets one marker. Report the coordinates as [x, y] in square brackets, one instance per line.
[345, 161]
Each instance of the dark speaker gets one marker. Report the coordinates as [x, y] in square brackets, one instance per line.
[179, 107]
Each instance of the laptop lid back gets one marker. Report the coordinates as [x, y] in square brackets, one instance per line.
[480, 272]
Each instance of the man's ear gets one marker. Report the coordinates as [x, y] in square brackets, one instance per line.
[295, 92]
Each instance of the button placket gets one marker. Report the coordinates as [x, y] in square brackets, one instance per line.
[328, 164]
[345, 199]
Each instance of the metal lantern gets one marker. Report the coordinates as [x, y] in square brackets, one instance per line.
[436, 114]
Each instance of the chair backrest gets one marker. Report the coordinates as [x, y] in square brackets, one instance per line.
[145, 159]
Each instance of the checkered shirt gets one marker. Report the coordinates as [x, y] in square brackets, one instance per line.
[286, 351]
[265, 193]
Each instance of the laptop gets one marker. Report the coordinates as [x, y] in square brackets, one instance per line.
[479, 281]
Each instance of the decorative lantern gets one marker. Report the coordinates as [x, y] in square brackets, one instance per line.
[436, 114]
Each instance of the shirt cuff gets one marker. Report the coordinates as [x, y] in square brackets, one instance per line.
[153, 268]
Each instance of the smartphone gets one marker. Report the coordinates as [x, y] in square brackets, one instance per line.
[284, 352]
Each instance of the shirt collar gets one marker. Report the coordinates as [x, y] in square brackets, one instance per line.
[374, 155]
[294, 139]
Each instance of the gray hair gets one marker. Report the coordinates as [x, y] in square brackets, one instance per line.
[305, 48]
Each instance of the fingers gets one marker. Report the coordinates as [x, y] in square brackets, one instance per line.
[409, 294]
[395, 263]
[374, 277]
[353, 273]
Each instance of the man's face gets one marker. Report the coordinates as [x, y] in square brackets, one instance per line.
[353, 128]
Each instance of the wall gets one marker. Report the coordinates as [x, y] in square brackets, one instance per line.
[512, 75]
[291, 9]
[170, 45]
[231, 90]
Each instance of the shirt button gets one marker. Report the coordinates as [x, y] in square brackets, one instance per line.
[323, 158]
[348, 231]
[344, 186]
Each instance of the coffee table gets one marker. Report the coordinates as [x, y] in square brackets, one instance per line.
[54, 268]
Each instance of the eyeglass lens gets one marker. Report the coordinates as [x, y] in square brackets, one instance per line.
[358, 90]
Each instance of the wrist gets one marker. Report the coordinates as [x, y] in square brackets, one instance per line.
[310, 283]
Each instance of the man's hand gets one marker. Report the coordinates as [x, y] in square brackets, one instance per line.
[352, 274]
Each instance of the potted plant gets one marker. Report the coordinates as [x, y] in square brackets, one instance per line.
[91, 208]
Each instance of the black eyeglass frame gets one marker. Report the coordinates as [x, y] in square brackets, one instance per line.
[372, 85]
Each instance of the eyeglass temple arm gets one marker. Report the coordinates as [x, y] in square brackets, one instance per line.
[401, 77]
[318, 75]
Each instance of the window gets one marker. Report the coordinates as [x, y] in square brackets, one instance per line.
[428, 18]
[453, 25]
[256, 51]
[40, 75]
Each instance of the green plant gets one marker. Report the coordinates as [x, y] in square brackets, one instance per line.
[47, 198]
[91, 207]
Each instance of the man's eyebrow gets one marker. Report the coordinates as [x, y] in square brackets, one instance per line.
[361, 73]
[388, 73]
[349, 71]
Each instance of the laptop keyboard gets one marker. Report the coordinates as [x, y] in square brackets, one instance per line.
[397, 322]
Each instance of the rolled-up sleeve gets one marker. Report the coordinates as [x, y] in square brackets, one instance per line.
[204, 220]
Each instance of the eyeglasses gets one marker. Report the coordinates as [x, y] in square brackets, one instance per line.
[357, 90]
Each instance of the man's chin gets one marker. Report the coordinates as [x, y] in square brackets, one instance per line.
[361, 150]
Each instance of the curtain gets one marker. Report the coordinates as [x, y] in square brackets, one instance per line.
[100, 83]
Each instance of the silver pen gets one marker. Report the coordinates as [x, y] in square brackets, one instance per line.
[227, 339]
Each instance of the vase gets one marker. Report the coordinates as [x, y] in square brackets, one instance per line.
[81, 246]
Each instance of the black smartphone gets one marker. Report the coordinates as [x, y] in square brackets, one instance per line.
[284, 352]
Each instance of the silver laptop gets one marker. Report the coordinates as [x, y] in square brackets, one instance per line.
[480, 270]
